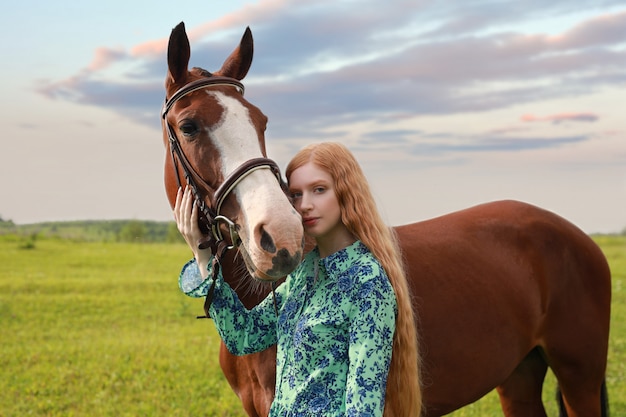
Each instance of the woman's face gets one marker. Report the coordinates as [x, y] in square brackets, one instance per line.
[314, 197]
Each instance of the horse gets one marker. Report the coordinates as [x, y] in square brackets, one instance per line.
[503, 290]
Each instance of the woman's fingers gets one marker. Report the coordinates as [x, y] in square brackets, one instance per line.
[179, 197]
[186, 216]
[182, 209]
[188, 204]
[194, 217]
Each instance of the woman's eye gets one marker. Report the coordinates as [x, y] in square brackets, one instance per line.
[319, 190]
[295, 196]
[189, 128]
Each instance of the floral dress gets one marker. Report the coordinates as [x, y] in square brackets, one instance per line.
[333, 329]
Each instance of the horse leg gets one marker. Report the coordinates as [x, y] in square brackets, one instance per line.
[579, 364]
[520, 394]
[604, 400]
[581, 396]
[252, 378]
[579, 367]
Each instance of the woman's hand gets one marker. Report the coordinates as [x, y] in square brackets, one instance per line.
[186, 216]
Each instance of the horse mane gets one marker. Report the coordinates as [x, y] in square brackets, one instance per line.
[201, 71]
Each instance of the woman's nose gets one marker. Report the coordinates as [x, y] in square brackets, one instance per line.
[305, 202]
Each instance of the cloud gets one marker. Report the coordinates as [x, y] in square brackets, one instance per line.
[443, 143]
[151, 49]
[563, 117]
[264, 9]
[498, 144]
[104, 57]
[323, 66]
[602, 30]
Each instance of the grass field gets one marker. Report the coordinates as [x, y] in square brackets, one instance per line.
[101, 329]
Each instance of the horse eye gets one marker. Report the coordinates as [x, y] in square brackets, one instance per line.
[189, 128]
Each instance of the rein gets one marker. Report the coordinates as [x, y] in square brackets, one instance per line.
[210, 217]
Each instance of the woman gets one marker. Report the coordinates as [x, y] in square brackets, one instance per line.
[343, 311]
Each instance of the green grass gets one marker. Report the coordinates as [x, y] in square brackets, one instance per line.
[101, 329]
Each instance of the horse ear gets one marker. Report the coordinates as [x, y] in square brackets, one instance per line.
[178, 53]
[238, 63]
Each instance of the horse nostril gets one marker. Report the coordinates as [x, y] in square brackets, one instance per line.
[267, 243]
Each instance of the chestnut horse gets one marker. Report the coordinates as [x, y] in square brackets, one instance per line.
[503, 290]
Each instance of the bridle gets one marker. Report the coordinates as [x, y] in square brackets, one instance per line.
[210, 216]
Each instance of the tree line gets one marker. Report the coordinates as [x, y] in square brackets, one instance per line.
[139, 231]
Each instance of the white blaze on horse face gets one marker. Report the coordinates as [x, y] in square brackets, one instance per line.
[234, 136]
[267, 218]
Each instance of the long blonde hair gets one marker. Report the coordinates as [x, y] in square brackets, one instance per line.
[360, 215]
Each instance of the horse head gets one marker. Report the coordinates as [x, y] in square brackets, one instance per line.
[216, 145]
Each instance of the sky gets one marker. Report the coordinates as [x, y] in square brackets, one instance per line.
[446, 104]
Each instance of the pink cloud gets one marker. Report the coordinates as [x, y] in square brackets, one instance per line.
[150, 48]
[604, 29]
[561, 117]
[262, 10]
[103, 57]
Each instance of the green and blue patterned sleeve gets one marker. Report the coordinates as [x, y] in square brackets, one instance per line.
[243, 331]
[373, 322]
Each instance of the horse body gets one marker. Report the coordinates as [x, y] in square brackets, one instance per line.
[503, 290]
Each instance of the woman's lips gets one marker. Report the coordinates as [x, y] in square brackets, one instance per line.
[309, 221]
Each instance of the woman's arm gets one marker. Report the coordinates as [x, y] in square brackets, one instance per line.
[243, 331]
[373, 320]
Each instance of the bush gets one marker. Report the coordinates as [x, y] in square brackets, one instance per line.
[133, 231]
